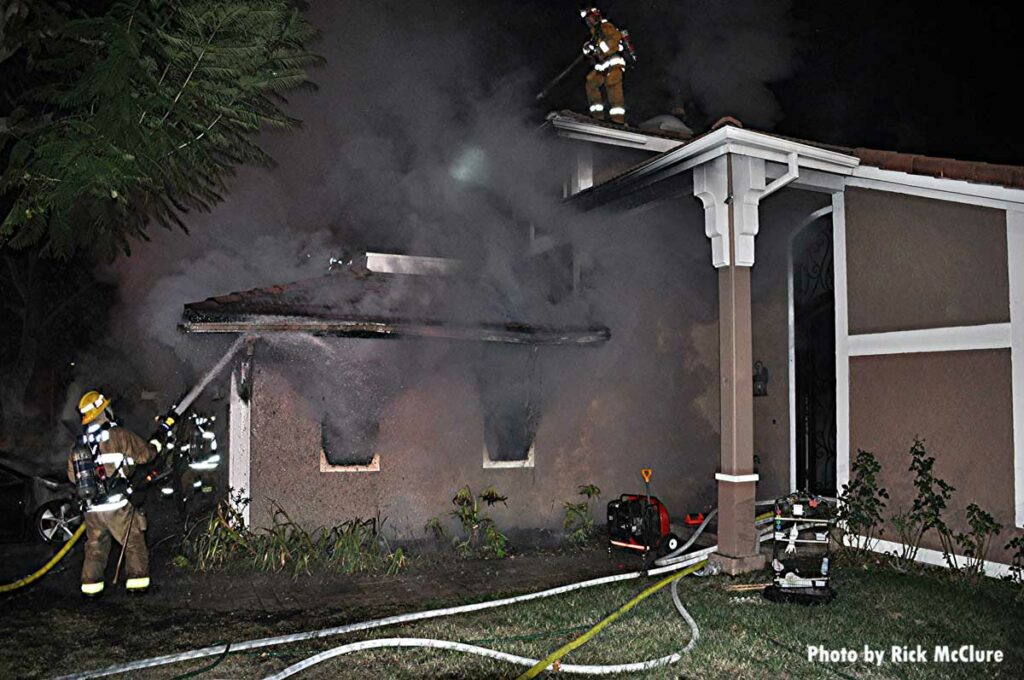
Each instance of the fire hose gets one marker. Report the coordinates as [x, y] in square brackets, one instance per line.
[681, 562]
[39, 573]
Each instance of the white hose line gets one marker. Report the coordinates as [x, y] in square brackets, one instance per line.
[217, 650]
[669, 558]
[503, 656]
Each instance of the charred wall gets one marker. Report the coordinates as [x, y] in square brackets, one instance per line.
[647, 398]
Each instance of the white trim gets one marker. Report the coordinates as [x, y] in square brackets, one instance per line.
[736, 479]
[925, 555]
[791, 330]
[391, 263]
[960, 191]
[599, 134]
[239, 430]
[1015, 254]
[842, 341]
[327, 466]
[951, 339]
[527, 462]
[711, 188]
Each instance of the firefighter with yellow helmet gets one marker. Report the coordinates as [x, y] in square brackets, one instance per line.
[100, 464]
[608, 49]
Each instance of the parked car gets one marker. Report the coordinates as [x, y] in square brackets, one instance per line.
[43, 504]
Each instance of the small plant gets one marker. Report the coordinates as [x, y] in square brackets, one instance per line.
[975, 545]
[862, 500]
[1016, 544]
[925, 514]
[354, 546]
[479, 532]
[578, 524]
[436, 528]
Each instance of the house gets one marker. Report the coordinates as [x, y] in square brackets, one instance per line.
[788, 302]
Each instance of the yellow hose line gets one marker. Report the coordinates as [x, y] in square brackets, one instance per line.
[554, 656]
[7, 587]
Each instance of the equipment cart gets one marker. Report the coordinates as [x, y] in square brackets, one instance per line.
[801, 550]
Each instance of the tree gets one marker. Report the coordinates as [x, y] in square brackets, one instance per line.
[132, 113]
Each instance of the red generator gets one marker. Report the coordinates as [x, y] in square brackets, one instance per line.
[640, 523]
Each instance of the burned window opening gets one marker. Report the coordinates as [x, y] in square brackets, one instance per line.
[352, 443]
[510, 389]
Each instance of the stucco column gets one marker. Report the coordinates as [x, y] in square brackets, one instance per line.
[724, 187]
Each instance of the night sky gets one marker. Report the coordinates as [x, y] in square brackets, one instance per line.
[884, 75]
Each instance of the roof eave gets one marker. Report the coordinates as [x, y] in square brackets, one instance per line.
[725, 140]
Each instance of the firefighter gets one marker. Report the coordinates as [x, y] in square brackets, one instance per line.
[115, 451]
[606, 50]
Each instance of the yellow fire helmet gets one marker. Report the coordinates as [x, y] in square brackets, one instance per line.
[91, 405]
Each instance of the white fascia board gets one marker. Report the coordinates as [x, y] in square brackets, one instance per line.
[1015, 251]
[943, 189]
[598, 134]
[951, 339]
[391, 263]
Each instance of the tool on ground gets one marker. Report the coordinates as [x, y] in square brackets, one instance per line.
[640, 522]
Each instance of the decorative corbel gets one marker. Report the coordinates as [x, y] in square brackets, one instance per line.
[711, 186]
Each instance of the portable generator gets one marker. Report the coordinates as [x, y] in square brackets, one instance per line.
[641, 523]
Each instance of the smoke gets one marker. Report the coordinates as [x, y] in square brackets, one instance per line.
[421, 140]
[728, 54]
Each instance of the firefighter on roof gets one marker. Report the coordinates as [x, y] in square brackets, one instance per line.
[607, 50]
[100, 465]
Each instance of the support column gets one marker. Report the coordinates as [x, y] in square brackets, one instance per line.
[738, 547]
[728, 191]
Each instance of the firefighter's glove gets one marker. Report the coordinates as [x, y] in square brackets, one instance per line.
[157, 444]
[589, 48]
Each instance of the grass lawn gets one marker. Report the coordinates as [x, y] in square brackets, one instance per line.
[742, 636]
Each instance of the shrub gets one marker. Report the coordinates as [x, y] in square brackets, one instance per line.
[975, 545]
[862, 500]
[578, 524]
[354, 546]
[479, 534]
[925, 514]
[1017, 566]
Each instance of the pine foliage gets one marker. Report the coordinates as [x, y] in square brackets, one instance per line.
[150, 106]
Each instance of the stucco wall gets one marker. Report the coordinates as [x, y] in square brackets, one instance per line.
[917, 263]
[959, 403]
[647, 398]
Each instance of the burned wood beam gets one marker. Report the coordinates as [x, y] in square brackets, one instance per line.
[518, 334]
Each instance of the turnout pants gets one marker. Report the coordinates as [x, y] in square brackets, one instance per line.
[128, 531]
[611, 82]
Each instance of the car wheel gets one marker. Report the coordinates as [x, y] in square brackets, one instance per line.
[57, 520]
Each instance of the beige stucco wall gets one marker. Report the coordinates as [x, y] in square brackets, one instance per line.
[916, 263]
[960, 404]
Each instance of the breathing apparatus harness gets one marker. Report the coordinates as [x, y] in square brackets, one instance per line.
[98, 490]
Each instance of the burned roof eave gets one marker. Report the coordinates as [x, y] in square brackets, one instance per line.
[518, 334]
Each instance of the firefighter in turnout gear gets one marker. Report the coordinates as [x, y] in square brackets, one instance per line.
[100, 465]
[607, 49]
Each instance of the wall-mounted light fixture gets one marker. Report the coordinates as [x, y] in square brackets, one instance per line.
[760, 379]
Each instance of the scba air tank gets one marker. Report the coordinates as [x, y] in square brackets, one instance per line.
[84, 466]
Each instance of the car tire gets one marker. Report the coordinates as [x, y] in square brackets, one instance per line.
[57, 520]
